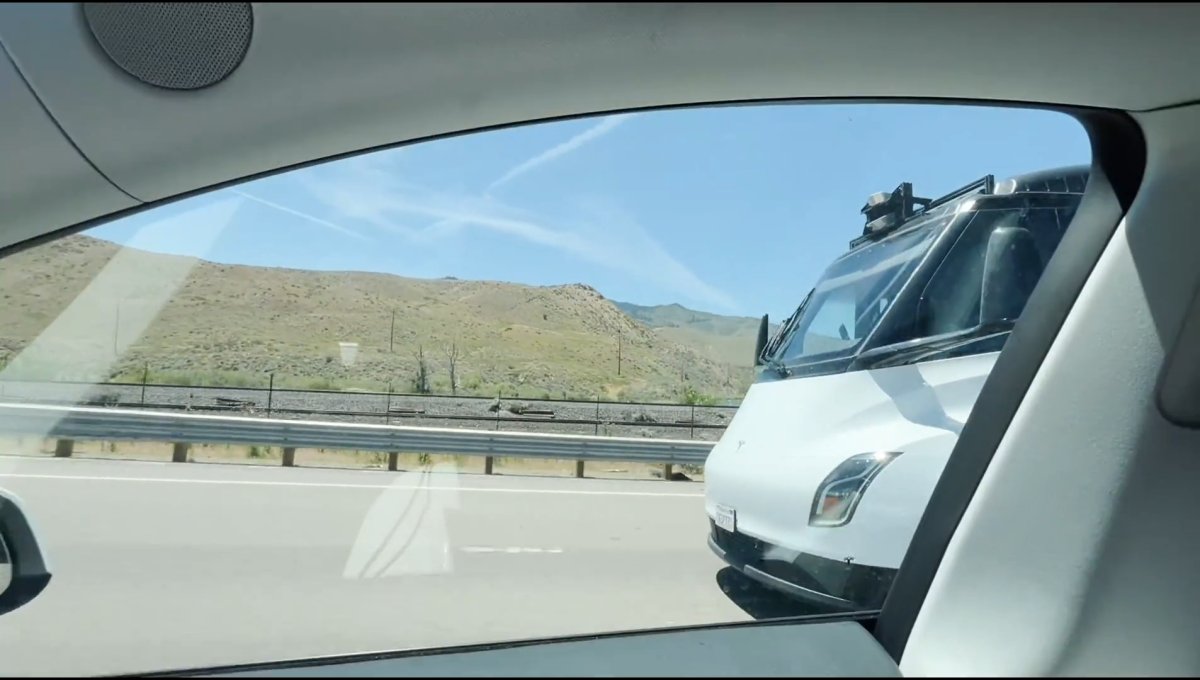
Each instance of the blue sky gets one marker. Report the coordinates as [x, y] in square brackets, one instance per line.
[734, 210]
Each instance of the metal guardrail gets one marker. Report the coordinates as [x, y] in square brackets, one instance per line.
[73, 423]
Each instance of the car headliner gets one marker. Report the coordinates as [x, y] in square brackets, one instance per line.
[83, 140]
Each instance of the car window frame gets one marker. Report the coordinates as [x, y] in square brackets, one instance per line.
[1115, 176]
[1116, 172]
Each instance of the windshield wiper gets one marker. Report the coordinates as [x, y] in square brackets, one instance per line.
[776, 366]
[920, 349]
[784, 333]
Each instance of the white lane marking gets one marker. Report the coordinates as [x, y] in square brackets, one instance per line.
[18, 458]
[510, 550]
[332, 485]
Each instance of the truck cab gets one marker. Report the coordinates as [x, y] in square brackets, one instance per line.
[818, 483]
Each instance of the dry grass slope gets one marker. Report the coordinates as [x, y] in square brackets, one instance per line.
[238, 324]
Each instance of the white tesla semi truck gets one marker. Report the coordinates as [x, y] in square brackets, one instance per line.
[817, 485]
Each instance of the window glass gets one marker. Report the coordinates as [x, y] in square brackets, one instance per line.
[477, 390]
[852, 296]
[951, 300]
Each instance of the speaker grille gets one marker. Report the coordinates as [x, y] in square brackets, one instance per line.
[179, 46]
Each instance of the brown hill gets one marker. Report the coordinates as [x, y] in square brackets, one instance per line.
[237, 324]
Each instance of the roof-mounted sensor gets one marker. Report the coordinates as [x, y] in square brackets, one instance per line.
[886, 212]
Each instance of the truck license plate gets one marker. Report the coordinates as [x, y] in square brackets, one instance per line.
[727, 518]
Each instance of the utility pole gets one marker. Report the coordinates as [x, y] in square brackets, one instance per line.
[392, 335]
[117, 329]
[618, 353]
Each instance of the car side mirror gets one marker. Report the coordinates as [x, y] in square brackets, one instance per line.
[760, 343]
[1011, 269]
[23, 570]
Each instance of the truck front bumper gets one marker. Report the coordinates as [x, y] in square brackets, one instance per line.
[832, 585]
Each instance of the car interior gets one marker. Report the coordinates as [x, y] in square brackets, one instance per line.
[1064, 532]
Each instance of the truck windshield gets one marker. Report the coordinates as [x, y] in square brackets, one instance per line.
[853, 293]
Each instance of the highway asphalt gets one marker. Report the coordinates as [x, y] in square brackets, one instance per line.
[163, 565]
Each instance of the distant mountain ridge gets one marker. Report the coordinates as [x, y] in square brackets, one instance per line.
[727, 339]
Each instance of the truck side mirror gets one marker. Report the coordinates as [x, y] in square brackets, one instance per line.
[23, 570]
[1011, 269]
[760, 343]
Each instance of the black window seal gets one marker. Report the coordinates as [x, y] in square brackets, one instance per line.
[1118, 165]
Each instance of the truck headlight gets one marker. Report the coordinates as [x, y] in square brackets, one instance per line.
[840, 492]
